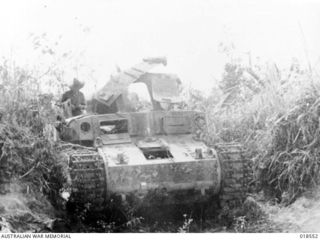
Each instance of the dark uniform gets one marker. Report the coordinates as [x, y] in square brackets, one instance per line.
[77, 100]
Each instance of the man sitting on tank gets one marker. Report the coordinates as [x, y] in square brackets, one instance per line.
[78, 102]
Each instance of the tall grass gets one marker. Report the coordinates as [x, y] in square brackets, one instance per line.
[28, 157]
[279, 126]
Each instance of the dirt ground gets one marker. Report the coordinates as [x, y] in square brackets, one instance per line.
[20, 213]
[302, 216]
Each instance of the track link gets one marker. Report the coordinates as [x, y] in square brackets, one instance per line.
[236, 174]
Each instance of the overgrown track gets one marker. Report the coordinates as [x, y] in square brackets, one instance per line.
[88, 178]
[236, 174]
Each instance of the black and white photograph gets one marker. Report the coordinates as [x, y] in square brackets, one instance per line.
[159, 116]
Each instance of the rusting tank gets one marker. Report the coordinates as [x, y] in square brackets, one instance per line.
[149, 157]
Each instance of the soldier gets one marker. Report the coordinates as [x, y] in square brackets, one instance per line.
[75, 97]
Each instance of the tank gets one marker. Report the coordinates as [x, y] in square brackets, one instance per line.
[151, 157]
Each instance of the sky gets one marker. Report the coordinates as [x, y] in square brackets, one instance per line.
[104, 34]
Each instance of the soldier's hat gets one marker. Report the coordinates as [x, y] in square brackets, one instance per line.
[76, 84]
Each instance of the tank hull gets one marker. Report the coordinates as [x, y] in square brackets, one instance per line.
[180, 170]
[100, 177]
[99, 182]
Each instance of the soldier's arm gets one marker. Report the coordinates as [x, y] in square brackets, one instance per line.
[82, 99]
[82, 105]
[65, 97]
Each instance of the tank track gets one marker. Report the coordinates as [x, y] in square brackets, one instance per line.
[236, 174]
[88, 179]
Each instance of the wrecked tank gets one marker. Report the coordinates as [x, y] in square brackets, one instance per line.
[149, 157]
